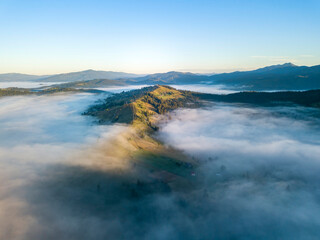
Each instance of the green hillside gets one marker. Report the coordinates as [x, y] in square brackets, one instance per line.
[92, 83]
[14, 91]
[141, 109]
[141, 106]
[5, 92]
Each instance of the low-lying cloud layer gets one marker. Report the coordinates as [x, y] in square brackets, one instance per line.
[257, 176]
[37, 133]
[203, 88]
[260, 168]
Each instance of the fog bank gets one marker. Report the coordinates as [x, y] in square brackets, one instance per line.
[36, 134]
[204, 88]
[259, 168]
[63, 176]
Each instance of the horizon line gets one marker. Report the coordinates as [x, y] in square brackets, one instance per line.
[193, 71]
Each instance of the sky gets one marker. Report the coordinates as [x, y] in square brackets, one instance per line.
[148, 36]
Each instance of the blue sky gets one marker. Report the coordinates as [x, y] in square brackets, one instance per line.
[140, 36]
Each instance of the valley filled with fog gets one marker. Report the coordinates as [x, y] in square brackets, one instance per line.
[38, 132]
[259, 168]
[26, 84]
[258, 173]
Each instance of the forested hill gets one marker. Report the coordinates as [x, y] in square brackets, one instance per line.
[306, 98]
[96, 83]
[138, 107]
[5, 92]
[278, 77]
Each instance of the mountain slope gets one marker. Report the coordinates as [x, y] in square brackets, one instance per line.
[92, 83]
[86, 75]
[278, 77]
[140, 106]
[309, 98]
[141, 110]
[66, 77]
[170, 78]
[18, 77]
[44, 91]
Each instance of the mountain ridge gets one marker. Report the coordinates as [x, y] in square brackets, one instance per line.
[67, 77]
[142, 105]
[276, 77]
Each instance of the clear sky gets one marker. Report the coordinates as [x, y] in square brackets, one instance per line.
[146, 36]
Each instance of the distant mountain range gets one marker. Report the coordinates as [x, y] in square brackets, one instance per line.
[18, 77]
[171, 78]
[277, 77]
[87, 75]
[96, 83]
[67, 77]
[139, 106]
